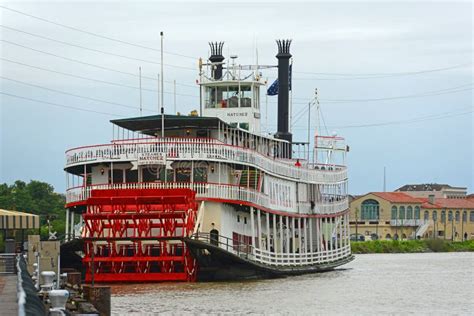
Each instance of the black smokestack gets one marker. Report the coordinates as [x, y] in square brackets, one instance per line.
[216, 57]
[283, 93]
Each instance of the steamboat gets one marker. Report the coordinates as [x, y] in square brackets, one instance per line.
[208, 196]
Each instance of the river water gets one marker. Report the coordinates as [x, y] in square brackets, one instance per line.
[425, 283]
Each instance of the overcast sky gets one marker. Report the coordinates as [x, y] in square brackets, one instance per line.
[423, 133]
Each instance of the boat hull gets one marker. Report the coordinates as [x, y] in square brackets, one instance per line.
[217, 264]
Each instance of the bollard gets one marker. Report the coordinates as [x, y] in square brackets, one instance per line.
[99, 296]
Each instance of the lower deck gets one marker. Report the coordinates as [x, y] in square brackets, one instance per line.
[162, 235]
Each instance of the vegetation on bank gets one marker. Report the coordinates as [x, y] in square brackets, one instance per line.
[35, 197]
[411, 246]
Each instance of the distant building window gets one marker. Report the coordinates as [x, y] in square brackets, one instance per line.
[370, 210]
[471, 216]
[426, 215]
[435, 215]
[394, 212]
[238, 218]
[443, 216]
[245, 220]
[458, 216]
[417, 212]
[450, 216]
[401, 213]
[409, 212]
[464, 216]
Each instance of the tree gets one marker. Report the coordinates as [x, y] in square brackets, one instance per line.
[35, 197]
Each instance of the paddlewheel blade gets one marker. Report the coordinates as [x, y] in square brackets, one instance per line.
[136, 235]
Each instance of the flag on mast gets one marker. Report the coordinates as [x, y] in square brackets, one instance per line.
[273, 89]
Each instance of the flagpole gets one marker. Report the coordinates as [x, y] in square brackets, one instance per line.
[266, 107]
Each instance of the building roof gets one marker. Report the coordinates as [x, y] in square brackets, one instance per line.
[18, 220]
[449, 203]
[427, 187]
[397, 197]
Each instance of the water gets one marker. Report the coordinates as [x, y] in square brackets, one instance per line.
[428, 283]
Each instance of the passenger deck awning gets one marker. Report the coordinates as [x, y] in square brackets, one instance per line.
[18, 220]
[150, 125]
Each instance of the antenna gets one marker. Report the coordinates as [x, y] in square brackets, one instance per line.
[315, 156]
[140, 75]
[174, 95]
[256, 57]
[384, 179]
[162, 95]
[309, 127]
[158, 90]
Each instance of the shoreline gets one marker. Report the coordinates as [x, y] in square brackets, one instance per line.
[411, 246]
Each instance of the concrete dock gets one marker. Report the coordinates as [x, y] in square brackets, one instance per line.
[8, 298]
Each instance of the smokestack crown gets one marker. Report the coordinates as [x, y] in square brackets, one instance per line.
[284, 48]
[216, 57]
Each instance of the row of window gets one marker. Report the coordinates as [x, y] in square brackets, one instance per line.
[457, 216]
[370, 211]
[408, 213]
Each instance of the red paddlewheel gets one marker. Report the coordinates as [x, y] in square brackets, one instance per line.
[137, 235]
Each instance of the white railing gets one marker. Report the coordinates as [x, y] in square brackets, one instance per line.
[204, 149]
[262, 256]
[407, 222]
[301, 259]
[215, 191]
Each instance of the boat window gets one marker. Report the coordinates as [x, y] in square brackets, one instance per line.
[200, 174]
[230, 97]
[183, 174]
[244, 126]
[246, 100]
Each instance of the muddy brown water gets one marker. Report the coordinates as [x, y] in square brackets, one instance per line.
[373, 284]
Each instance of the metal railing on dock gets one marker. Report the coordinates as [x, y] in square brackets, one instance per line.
[7, 263]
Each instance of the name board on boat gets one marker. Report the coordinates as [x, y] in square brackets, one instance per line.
[236, 114]
[282, 194]
[151, 159]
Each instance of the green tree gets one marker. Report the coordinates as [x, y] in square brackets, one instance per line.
[35, 197]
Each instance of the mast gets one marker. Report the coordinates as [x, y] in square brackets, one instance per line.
[162, 95]
[140, 75]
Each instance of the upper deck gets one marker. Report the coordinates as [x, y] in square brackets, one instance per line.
[159, 150]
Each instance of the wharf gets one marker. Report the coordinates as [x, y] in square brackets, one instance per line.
[8, 294]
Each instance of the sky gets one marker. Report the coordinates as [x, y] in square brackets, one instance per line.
[394, 78]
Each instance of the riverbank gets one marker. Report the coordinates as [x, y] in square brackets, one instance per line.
[411, 246]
